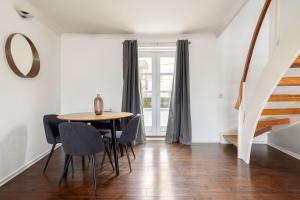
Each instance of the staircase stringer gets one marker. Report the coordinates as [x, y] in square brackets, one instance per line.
[282, 58]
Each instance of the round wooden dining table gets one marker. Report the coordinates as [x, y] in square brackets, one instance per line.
[106, 116]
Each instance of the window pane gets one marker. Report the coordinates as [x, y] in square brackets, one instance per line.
[148, 117]
[146, 82]
[147, 100]
[167, 64]
[145, 64]
[166, 82]
[164, 117]
[165, 100]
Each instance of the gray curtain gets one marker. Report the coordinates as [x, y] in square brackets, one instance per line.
[131, 99]
[179, 122]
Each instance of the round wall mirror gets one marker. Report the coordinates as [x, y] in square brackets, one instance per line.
[22, 56]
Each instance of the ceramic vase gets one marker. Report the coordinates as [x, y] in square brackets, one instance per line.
[98, 105]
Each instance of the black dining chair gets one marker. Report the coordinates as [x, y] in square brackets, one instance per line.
[51, 123]
[81, 139]
[127, 137]
[102, 126]
[105, 126]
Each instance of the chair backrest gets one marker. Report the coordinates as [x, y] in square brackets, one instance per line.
[105, 124]
[131, 130]
[80, 139]
[51, 123]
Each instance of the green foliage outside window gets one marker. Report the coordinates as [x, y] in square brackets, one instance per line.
[164, 102]
[147, 102]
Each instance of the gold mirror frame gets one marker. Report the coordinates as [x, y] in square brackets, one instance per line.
[35, 67]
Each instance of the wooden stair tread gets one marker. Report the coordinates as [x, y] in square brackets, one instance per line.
[260, 131]
[272, 122]
[281, 111]
[284, 97]
[232, 139]
[289, 81]
[296, 63]
[263, 126]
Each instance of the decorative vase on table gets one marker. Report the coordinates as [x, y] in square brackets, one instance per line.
[98, 105]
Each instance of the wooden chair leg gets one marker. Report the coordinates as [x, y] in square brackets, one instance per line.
[49, 157]
[127, 153]
[94, 171]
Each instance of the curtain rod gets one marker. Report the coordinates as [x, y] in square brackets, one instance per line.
[158, 43]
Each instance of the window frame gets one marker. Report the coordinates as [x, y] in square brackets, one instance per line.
[156, 129]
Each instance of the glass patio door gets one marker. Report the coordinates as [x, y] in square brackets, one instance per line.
[156, 72]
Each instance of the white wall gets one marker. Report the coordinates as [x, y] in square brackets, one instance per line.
[204, 85]
[24, 101]
[286, 139]
[232, 49]
[92, 64]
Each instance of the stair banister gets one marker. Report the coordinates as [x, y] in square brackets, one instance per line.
[251, 50]
[283, 56]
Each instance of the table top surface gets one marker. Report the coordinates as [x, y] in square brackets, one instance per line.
[90, 116]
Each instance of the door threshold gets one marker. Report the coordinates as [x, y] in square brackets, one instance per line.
[148, 138]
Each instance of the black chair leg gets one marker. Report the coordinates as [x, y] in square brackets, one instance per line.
[65, 171]
[132, 150]
[72, 165]
[65, 165]
[83, 161]
[118, 148]
[103, 159]
[94, 171]
[127, 153]
[109, 157]
[69, 158]
[121, 150]
[49, 157]
[109, 148]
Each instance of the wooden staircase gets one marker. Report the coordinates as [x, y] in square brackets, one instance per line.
[289, 81]
[263, 126]
[267, 124]
[284, 97]
[232, 139]
[281, 111]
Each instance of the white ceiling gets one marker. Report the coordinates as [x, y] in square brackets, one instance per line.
[138, 16]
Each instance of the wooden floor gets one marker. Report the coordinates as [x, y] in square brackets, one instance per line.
[164, 171]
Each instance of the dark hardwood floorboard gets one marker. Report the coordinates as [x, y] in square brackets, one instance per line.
[164, 171]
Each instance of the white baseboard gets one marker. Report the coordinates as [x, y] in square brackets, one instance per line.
[295, 155]
[206, 141]
[223, 141]
[260, 142]
[26, 166]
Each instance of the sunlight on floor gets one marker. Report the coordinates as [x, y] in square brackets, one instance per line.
[155, 138]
